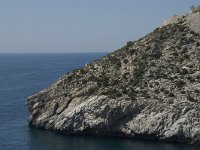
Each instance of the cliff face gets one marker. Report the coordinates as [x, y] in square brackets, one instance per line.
[150, 88]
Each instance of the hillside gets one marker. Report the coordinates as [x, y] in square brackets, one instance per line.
[148, 89]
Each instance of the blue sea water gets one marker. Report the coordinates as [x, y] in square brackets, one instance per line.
[21, 75]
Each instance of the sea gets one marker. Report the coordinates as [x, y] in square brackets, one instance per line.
[22, 75]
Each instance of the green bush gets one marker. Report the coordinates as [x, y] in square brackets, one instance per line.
[156, 54]
[171, 94]
[124, 91]
[190, 98]
[132, 51]
[125, 61]
[114, 82]
[82, 71]
[132, 94]
[114, 60]
[179, 83]
[125, 75]
[103, 80]
[129, 43]
[112, 93]
[183, 71]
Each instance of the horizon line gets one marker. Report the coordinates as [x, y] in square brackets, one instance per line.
[54, 52]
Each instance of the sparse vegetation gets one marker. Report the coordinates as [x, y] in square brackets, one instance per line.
[114, 60]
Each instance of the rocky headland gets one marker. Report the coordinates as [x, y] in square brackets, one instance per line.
[148, 89]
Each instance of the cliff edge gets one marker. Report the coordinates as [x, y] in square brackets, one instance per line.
[148, 89]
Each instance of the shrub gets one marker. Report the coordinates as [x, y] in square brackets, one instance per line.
[139, 71]
[184, 71]
[125, 61]
[166, 92]
[104, 80]
[129, 43]
[124, 91]
[198, 77]
[132, 94]
[183, 92]
[84, 81]
[196, 91]
[190, 98]
[118, 94]
[197, 44]
[112, 93]
[125, 75]
[191, 79]
[114, 82]
[115, 60]
[146, 95]
[157, 91]
[157, 54]
[82, 71]
[171, 94]
[132, 51]
[179, 83]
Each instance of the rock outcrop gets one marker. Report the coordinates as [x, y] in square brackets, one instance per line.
[148, 89]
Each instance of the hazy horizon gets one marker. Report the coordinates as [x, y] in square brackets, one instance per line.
[75, 52]
[75, 26]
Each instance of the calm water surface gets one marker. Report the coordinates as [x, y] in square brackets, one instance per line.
[21, 75]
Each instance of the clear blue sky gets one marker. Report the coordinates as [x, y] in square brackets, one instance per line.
[80, 25]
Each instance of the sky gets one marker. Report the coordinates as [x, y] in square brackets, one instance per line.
[66, 26]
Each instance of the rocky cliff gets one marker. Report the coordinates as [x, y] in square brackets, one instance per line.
[148, 89]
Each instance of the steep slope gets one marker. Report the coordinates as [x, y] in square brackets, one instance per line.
[150, 88]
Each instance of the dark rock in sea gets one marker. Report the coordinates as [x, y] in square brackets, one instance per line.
[148, 89]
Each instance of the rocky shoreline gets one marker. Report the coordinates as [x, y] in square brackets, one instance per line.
[148, 89]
